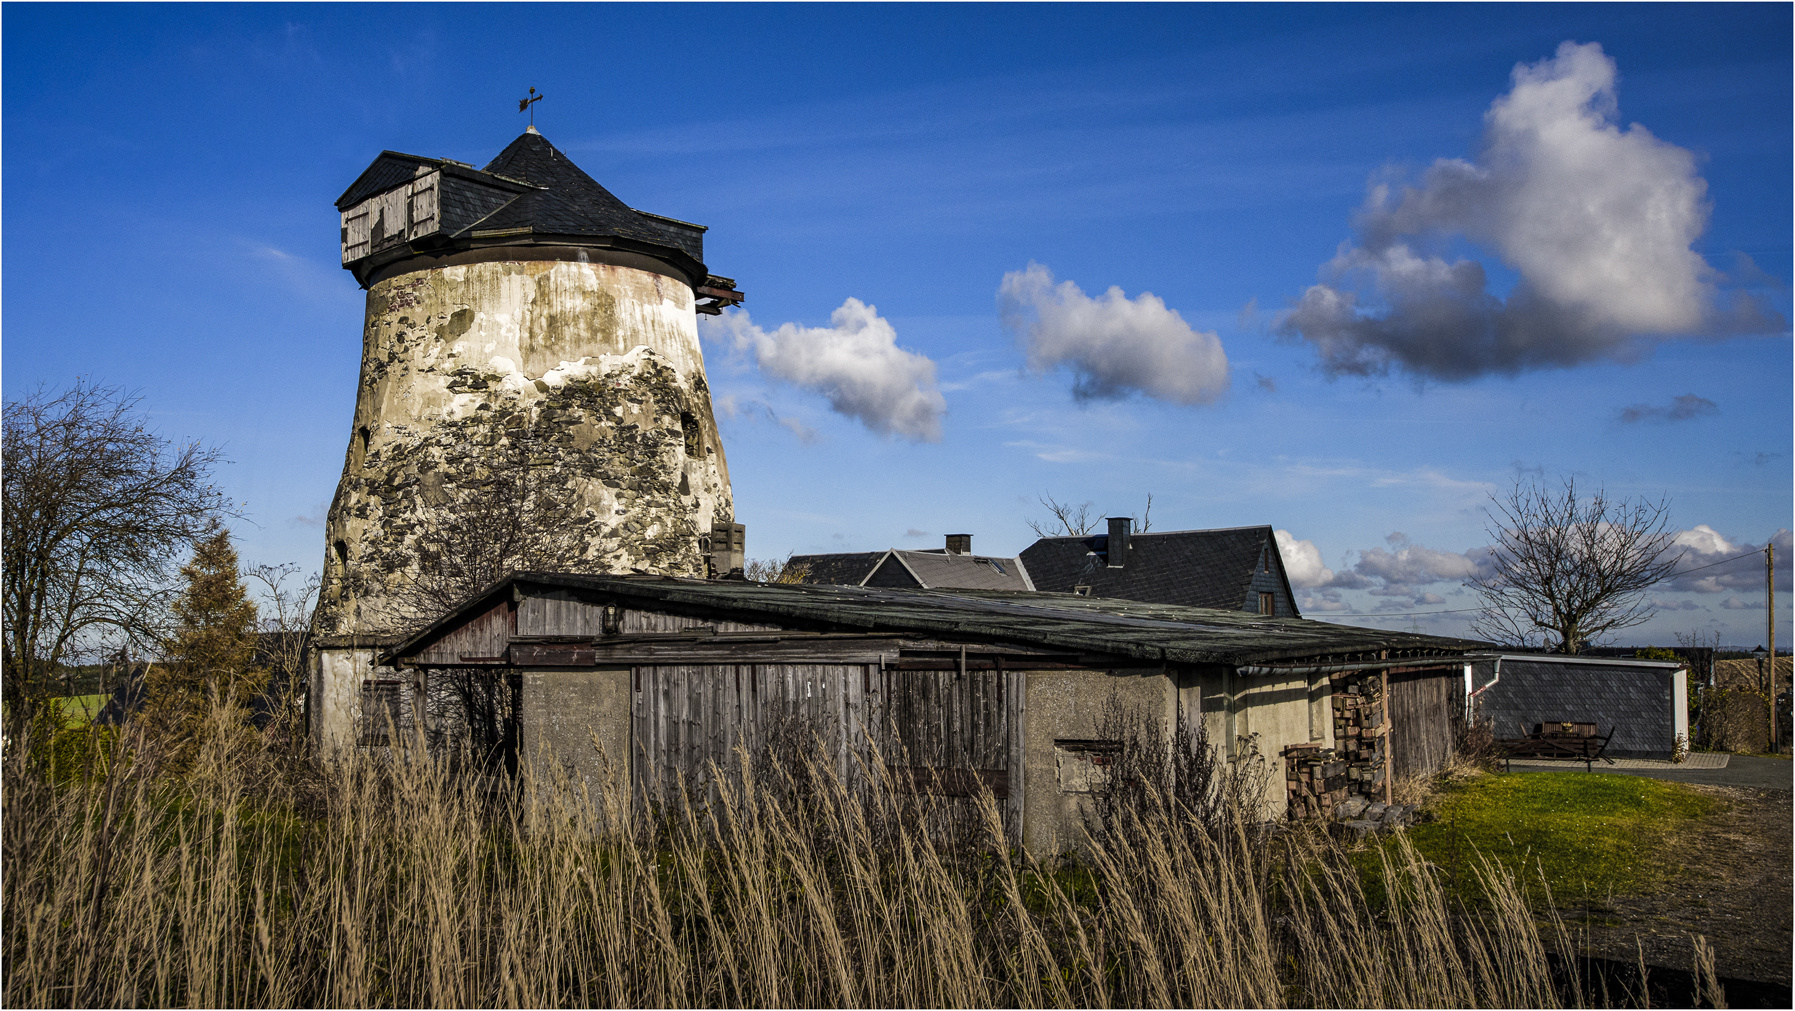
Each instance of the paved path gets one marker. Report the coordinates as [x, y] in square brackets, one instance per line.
[1740, 770]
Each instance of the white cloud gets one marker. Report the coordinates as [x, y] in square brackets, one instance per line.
[1597, 221]
[1405, 565]
[1735, 604]
[855, 363]
[1709, 562]
[1704, 540]
[1114, 345]
[1302, 562]
[1324, 602]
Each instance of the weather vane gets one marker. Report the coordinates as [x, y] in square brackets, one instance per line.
[526, 103]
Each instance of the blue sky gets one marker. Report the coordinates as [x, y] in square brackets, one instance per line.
[169, 173]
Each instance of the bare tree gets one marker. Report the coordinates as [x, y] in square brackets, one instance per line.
[1064, 519]
[503, 523]
[1568, 570]
[97, 510]
[281, 644]
[1067, 520]
[774, 570]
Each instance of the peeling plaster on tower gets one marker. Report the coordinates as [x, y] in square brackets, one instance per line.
[515, 313]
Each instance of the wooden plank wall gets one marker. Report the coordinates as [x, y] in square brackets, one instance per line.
[562, 612]
[484, 635]
[946, 730]
[686, 717]
[1422, 707]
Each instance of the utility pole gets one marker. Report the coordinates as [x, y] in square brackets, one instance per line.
[1770, 624]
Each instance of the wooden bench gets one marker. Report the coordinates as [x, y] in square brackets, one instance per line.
[1563, 741]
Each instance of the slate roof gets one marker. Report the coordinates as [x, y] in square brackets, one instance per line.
[944, 570]
[570, 201]
[934, 569]
[1196, 568]
[1630, 697]
[1129, 630]
[530, 185]
[846, 569]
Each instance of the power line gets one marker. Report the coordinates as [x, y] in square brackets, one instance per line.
[1462, 610]
[1710, 565]
[1394, 614]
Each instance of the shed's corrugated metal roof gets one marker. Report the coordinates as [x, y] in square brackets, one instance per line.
[1121, 628]
[1196, 568]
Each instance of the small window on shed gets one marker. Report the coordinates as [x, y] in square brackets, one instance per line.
[1085, 766]
[382, 712]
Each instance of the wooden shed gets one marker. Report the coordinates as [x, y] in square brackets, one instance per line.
[992, 688]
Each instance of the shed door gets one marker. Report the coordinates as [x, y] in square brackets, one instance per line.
[951, 731]
[1423, 710]
[688, 720]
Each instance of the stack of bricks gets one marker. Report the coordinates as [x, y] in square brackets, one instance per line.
[1315, 779]
[1360, 730]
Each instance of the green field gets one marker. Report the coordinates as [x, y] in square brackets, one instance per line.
[1588, 835]
[79, 710]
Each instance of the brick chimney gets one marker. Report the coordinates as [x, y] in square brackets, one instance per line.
[1121, 530]
[959, 544]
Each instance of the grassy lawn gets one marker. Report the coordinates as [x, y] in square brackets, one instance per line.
[79, 710]
[1591, 835]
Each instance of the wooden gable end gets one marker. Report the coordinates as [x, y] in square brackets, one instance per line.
[480, 638]
[567, 612]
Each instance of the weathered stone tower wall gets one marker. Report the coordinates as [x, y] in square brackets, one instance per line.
[584, 378]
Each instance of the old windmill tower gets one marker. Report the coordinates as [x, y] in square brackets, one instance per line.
[532, 393]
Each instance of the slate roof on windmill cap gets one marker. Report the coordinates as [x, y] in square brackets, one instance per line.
[532, 187]
[1195, 568]
[570, 202]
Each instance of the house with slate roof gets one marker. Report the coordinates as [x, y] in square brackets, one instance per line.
[964, 690]
[1234, 569]
[954, 566]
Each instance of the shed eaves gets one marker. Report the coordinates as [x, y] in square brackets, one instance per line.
[1154, 633]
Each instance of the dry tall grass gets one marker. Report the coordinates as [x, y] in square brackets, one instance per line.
[401, 883]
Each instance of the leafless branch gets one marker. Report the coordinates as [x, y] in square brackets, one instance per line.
[1569, 570]
[1064, 519]
[98, 508]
